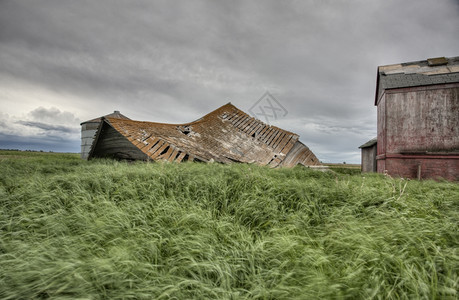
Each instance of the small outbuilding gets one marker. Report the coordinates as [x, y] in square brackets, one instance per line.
[418, 119]
[369, 156]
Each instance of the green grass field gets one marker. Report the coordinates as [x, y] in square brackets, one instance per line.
[72, 229]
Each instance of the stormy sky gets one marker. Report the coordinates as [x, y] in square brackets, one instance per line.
[63, 62]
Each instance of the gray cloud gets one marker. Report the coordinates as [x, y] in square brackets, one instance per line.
[50, 127]
[52, 115]
[174, 61]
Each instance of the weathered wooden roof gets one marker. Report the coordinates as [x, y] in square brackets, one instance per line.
[225, 135]
[432, 71]
[115, 114]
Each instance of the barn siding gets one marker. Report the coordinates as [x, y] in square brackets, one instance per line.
[422, 120]
[418, 132]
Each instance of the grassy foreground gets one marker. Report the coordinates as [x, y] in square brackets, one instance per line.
[71, 229]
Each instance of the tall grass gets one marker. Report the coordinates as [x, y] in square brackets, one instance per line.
[103, 229]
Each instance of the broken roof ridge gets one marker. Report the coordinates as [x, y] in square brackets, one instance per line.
[114, 114]
[215, 111]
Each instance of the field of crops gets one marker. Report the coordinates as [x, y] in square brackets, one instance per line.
[71, 229]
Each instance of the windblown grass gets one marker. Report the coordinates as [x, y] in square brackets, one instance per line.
[103, 229]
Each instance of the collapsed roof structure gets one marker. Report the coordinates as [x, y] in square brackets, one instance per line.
[225, 135]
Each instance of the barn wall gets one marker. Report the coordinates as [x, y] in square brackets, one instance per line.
[441, 167]
[422, 120]
[112, 144]
[369, 159]
[415, 121]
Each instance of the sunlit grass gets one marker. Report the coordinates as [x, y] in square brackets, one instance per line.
[113, 230]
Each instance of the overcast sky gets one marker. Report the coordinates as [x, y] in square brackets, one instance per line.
[63, 62]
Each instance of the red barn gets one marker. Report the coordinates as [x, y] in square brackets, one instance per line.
[418, 119]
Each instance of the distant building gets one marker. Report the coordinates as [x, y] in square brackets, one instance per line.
[369, 156]
[418, 119]
[89, 129]
[225, 135]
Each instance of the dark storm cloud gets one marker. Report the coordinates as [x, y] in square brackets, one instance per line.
[49, 143]
[174, 61]
[50, 127]
[41, 129]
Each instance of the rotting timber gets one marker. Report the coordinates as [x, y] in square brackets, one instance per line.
[225, 135]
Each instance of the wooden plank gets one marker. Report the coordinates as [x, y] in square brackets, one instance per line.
[252, 127]
[151, 144]
[264, 132]
[282, 143]
[238, 118]
[243, 119]
[260, 129]
[233, 116]
[180, 157]
[247, 125]
[244, 124]
[158, 152]
[275, 162]
[112, 139]
[277, 139]
[173, 155]
[146, 143]
[269, 134]
[168, 153]
[155, 147]
[308, 156]
[274, 137]
[289, 145]
[137, 142]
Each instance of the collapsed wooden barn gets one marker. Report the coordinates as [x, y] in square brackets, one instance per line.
[225, 135]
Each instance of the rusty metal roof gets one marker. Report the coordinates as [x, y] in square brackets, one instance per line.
[440, 70]
[225, 135]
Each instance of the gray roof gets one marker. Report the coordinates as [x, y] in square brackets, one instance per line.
[369, 143]
[432, 71]
[115, 114]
